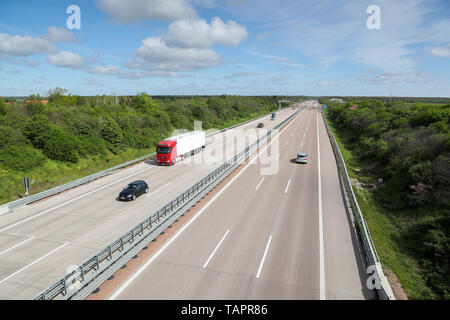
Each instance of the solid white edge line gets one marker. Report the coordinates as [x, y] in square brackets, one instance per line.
[321, 249]
[116, 293]
[70, 201]
[3, 252]
[35, 261]
[259, 183]
[264, 257]
[287, 187]
[217, 247]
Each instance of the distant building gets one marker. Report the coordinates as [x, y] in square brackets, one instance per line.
[337, 100]
[42, 101]
[354, 107]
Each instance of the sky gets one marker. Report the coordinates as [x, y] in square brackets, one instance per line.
[239, 47]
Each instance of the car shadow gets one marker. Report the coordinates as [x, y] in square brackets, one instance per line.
[151, 161]
[293, 161]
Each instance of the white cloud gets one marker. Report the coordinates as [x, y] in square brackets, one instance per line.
[93, 82]
[322, 83]
[58, 34]
[66, 59]
[283, 60]
[24, 45]
[337, 29]
[109, 69]
[206, 3]
[197, 33]
[390, 77]
[137, 10]
[155, 55]
[443, 52]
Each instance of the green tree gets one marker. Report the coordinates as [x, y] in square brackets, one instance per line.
[112, 133]
[144, 102]
[62, 146]
[38, 130]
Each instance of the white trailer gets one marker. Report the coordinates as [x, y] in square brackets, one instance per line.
[189, 143]
[181, 146]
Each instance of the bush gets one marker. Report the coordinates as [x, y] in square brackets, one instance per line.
[112, 133]
[62, 146]
[9, 135]
[19, 158]
[38, 130]
[3, 109]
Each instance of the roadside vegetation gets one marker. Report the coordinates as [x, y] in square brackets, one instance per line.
[407, 144]
[64, 137]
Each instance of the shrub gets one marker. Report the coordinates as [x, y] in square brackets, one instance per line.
[112, 133]
[3, 109]
[19, 158]
[38, 130]
[62, 146]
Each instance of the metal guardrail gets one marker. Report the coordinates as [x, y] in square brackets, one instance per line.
[79, 283]
[371, 255]
[10, 206]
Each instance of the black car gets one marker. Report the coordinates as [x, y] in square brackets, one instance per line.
[133, 190]
[260, 125]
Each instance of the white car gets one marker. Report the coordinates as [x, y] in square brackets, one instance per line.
[302, 158]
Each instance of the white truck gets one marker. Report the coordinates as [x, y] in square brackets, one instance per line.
[173, 149]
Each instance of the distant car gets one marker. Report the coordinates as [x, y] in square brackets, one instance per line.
[133, 190]
[260, 125]
[302, 158]
[273, 116]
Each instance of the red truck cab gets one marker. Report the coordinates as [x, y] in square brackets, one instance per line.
[166, 152]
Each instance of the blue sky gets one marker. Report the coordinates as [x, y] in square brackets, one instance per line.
[244, 47]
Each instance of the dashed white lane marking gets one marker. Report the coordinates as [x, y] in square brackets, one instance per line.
[217, 247]
[36, 261]
[158, 189]
[264, 257]
[7, 250]
[259, 183]
[287, 187]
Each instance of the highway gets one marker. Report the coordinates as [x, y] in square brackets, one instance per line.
[280, 236]
[39, 242]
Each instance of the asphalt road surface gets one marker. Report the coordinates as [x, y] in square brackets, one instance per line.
[280, 236]
[39, 242]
